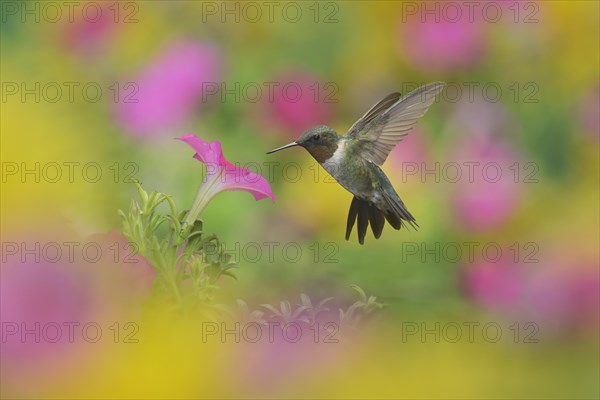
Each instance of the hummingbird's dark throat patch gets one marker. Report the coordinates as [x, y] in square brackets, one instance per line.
[322, 153]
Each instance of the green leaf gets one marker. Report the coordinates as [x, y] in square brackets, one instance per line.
[305, 300]
[361, 293]
[323, 302]
[271, 308]
[142, 192]
[229, 274]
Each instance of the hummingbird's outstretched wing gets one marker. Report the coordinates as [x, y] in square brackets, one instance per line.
[376, 110]
[387, 122]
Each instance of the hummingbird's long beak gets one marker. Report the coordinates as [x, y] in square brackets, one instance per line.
[283, 147]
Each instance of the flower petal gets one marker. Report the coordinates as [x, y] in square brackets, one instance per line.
[207, 153]
[236, 178]
[233, 177]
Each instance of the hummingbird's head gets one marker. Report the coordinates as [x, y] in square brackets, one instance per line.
[320, 141]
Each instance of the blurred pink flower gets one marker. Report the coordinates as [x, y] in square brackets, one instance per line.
[498, 286]
[442, 46]
[299, 101]
[87, 35]
[565, 295]
[486, 195]
[168, 89]
[221, 175]
[59, 297]
[37, 297]
[563, 300]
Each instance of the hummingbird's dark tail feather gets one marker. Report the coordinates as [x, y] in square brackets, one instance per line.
[352, 216]
[377, 220]
[391, 208]
[363, 220]
[366, 213]
[396, 212]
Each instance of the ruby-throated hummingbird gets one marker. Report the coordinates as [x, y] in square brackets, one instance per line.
[354, 158]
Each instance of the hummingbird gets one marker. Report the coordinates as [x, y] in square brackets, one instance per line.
[353, 159]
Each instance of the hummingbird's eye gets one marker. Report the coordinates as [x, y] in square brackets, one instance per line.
[316, 137]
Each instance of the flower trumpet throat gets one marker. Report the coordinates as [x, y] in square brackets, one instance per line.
[221, 175]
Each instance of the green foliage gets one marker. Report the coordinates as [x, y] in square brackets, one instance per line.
[308, 313]
[189, 261]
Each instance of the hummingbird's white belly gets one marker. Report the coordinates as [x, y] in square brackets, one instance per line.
[351, 175]
[334, 164]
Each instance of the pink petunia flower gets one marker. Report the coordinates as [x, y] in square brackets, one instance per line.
[300, 100]
[167, 91]
[442, 46]
[221, 175]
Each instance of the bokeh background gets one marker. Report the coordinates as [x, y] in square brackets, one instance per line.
[523, 96]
